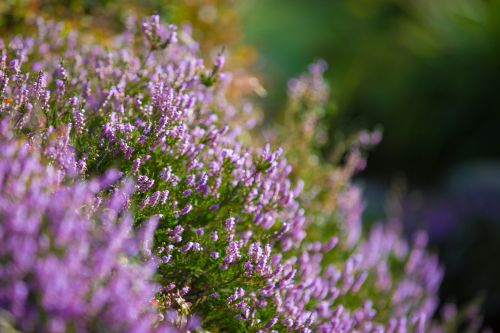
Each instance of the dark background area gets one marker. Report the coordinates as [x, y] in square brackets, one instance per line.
[428, 73]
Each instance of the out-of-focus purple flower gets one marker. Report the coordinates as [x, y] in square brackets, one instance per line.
[67, 264]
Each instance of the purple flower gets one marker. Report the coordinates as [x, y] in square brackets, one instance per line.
[77, 259]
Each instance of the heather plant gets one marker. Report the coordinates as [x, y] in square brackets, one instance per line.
[246, 238]
[70, 260]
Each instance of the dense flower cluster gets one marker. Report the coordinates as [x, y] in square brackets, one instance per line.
[69, 262]
[239, 240]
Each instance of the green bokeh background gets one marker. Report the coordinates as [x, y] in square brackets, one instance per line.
[428, 71]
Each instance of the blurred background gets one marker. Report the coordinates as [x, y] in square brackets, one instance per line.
[426, 72]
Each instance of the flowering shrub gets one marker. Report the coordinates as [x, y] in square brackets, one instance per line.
[232, 233]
